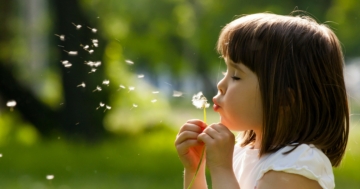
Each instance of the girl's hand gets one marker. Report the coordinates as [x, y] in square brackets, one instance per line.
[219, 142]
[188, 146]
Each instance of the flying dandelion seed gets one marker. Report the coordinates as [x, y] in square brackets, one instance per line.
[177, 93]
[101, 105]
[97, 89]
[141, 76]
[94, 30]
[121, 87]
[11, 103]
[106, 82]
[0, 155]
[107, 108]
[155, 92]
[90, 63]
[61, 46]
[62, 37]
[77, 26]
[50, 177]
[97, 64]
[129, 62]
[82, 85]
[131, 88]
[86, 47]
[135, 105]
[95, 41]
[72, 53]
[96, 45]
[91, 51]
[153, 101]
[67, 65]
[92, 70]
[65, 62]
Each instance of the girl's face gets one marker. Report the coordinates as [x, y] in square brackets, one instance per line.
[239, 100]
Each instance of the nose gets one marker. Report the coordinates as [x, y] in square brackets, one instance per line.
[222, 86]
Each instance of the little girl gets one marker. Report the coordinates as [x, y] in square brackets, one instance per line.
[284, 89]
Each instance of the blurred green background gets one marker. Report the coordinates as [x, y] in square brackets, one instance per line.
[107, 116]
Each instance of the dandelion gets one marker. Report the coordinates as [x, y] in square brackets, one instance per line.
[62, 37]
[77, 26]
[141, 76]
[199, 101]
[106, 82]
[81, 85]
[97, 89]
[50, 177]
[177, 93]
[153, 101]
[129, 62]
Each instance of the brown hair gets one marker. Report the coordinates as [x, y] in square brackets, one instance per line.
[299, 64]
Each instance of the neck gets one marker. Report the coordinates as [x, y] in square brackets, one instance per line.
[257, 143]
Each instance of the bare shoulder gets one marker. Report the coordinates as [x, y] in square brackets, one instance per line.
[279, 179]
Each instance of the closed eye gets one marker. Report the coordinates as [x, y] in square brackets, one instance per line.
[235, 78]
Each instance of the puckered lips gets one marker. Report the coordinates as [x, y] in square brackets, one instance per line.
[216, 105]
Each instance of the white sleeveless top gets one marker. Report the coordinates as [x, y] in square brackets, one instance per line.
[305, 160]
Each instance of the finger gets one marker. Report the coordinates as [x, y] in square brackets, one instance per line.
[220, 127]
[197, 122]
[191, 127]
[205, 138]
[212, 132]
[185, 135]
[183, 148]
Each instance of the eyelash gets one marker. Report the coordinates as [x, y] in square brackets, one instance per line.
[235, 78]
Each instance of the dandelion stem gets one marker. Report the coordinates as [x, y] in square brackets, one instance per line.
[201, 158]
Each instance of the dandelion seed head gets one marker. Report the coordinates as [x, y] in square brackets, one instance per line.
[200, 101]
[141, 76]
[177, 93]
[129, 62]
[11, 103]
[50, 177]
